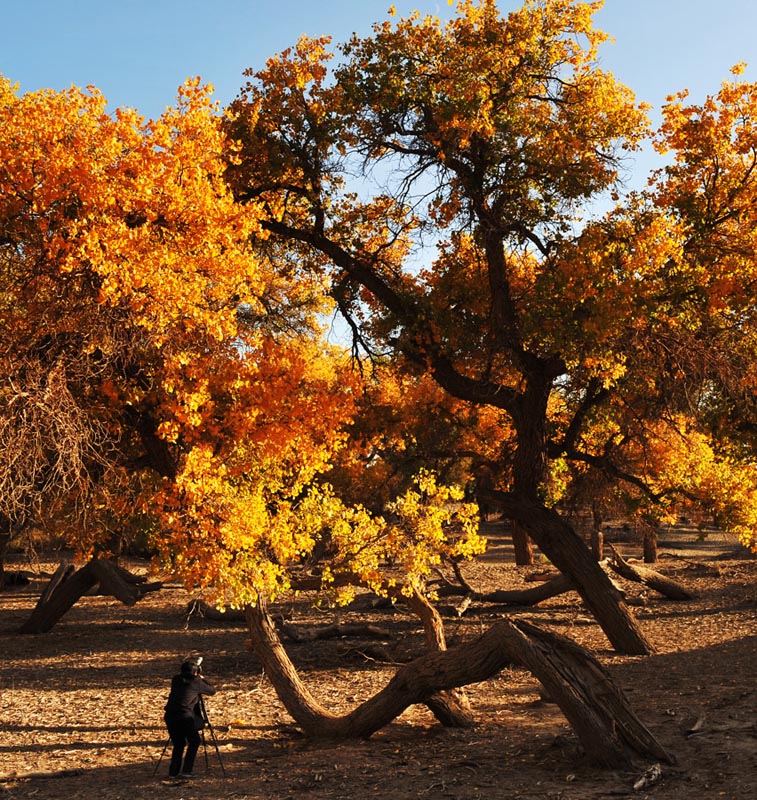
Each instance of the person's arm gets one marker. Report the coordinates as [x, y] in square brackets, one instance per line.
[205, 687]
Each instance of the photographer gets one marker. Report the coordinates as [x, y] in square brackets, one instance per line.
[184, 718]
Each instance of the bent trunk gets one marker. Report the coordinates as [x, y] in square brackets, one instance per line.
[68, 585]
[451, 708]
[569, 553]
[609, 731]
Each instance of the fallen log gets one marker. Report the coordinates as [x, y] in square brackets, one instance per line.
[654, 580]
[555, 585]
[527, 597]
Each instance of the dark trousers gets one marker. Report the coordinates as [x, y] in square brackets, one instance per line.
[183, 732]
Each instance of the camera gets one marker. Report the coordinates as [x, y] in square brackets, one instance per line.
[192, 665]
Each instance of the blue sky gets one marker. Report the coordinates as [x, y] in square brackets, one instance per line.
[137, 51]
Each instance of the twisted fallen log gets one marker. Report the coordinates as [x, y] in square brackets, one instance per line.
[555, 584]
[69, 584]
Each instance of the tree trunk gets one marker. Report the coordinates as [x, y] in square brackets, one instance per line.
[570, 554]
[597, 537]
[69, 584]
[649, 544]
[610, 733]
[64, 589]
[451, 708]
[524, 551]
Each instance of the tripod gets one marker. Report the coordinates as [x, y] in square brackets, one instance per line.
[206, 721]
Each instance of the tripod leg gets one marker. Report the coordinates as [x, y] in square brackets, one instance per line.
[215, 744]
[157, 766]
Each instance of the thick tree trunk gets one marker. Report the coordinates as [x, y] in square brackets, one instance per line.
[610, 733]
[649, 544]
[570, 554]
[65, 588]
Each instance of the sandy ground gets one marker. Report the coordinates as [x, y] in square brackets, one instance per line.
[81, 706]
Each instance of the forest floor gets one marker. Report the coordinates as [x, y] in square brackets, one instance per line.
[81, 706]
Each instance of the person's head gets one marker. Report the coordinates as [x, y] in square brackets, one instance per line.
[191, 666]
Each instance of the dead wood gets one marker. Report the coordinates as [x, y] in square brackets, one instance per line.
[654, 580]
[527, 597]
[533, 595]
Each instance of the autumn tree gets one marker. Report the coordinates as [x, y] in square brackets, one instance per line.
[485, 137]
[166, 363]
[156, 374]
[469, 247]
[405, 423]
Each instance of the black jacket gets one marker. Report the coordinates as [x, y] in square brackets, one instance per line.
[185, 695]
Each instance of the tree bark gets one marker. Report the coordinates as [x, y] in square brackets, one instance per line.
[451, 708]
[65, 587]
[601, 717]
[570, 554]
[524, 551]
[649, 544]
